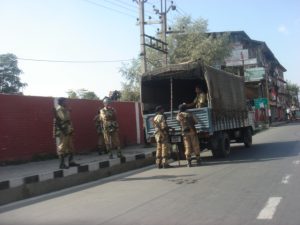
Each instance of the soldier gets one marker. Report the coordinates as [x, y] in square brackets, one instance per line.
[99, 129]
[200, 99]
[64, 133]
[110, 125]
[190, 138]
[161, 137]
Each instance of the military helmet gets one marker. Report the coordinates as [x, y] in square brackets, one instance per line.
[106, 101]
[61, 100]
[158, 108]
[182, 107]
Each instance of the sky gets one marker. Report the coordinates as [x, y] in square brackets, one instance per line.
[98, 37]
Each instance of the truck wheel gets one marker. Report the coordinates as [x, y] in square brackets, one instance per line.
[220, 145]
[247, 137]
[214, 145]
[224, 145]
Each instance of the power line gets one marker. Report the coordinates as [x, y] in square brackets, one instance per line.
[109, 8]
[122, 6]
[126, 5]
[73, 61]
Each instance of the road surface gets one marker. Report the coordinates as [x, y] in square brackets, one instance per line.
[259, 185]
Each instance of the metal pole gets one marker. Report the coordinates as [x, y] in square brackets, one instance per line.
[171, 97]
[142, 35]
[164, 28]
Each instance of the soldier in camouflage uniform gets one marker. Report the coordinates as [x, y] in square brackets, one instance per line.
[64, 133]
[190, 138]
[110, 125]
[200, 99]
[99, 129]
[161, 137]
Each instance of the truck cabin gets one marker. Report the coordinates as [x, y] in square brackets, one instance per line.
[171, 86]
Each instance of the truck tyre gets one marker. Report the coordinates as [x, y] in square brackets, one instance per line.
[247, 136]
[220, 145]
[214, 145]
[224, 145]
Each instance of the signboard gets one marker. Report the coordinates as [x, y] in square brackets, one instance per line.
[261, 103]
[240, 57]
[254, 74]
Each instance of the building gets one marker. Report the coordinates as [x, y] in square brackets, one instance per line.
[264, 75]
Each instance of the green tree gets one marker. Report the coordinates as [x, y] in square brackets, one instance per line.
[195, 43]
[131, 87]
[293, 91]
[82, 94]
[9, 74]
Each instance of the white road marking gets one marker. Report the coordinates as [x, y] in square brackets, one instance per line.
[297, 162]
[285, 180]
[269, 210]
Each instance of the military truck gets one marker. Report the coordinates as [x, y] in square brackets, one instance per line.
[225, 120]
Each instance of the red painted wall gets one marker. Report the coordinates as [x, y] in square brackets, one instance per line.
[26, 125]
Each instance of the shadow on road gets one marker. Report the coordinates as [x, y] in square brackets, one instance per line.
[159, 177]
[256, 153]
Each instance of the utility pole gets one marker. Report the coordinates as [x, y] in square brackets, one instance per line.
[164, 27]
[142, 34]
[149, 41]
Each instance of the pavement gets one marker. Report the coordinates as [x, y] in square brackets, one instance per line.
[31, 179]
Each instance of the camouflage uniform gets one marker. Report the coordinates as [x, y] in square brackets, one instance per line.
[200, 100]
[107, 117]
[99, 129]
[162, 140]
[190, 137]
[63, 131]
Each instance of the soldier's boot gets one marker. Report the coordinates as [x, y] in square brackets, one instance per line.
[119, 154]
[159, 166]
[189, 163]
[71, 161]
[199, 161]
[158, 163]
[110, 154]
[165, 165]
[62, 164]
[99, 149]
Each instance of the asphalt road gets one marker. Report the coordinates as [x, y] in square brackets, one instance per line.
[259, 185]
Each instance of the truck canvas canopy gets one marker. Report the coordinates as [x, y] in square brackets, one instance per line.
[174, 84]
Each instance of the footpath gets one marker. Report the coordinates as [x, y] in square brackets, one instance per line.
[31, 179]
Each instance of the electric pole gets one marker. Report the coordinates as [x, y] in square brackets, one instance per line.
[142, 34]
[149, 41]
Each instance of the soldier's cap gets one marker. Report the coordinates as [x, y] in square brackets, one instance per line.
[106, 101]
[158, 108]
[182, 107]
[61, 100]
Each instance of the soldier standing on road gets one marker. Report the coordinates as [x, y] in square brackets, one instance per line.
[161, 137]
[64, 133]
[200, 99]
[190, 138]
[110, 125]
[99, 129]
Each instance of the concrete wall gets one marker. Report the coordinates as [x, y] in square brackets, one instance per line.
[26, 125]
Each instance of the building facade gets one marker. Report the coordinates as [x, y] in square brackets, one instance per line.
[263, 73]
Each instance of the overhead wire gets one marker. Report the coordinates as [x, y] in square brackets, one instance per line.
[72, 61]
[109, 8]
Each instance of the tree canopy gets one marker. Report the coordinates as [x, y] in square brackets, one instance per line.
[82, 94]
[293, 91]
[10, 81]
[192, 44]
